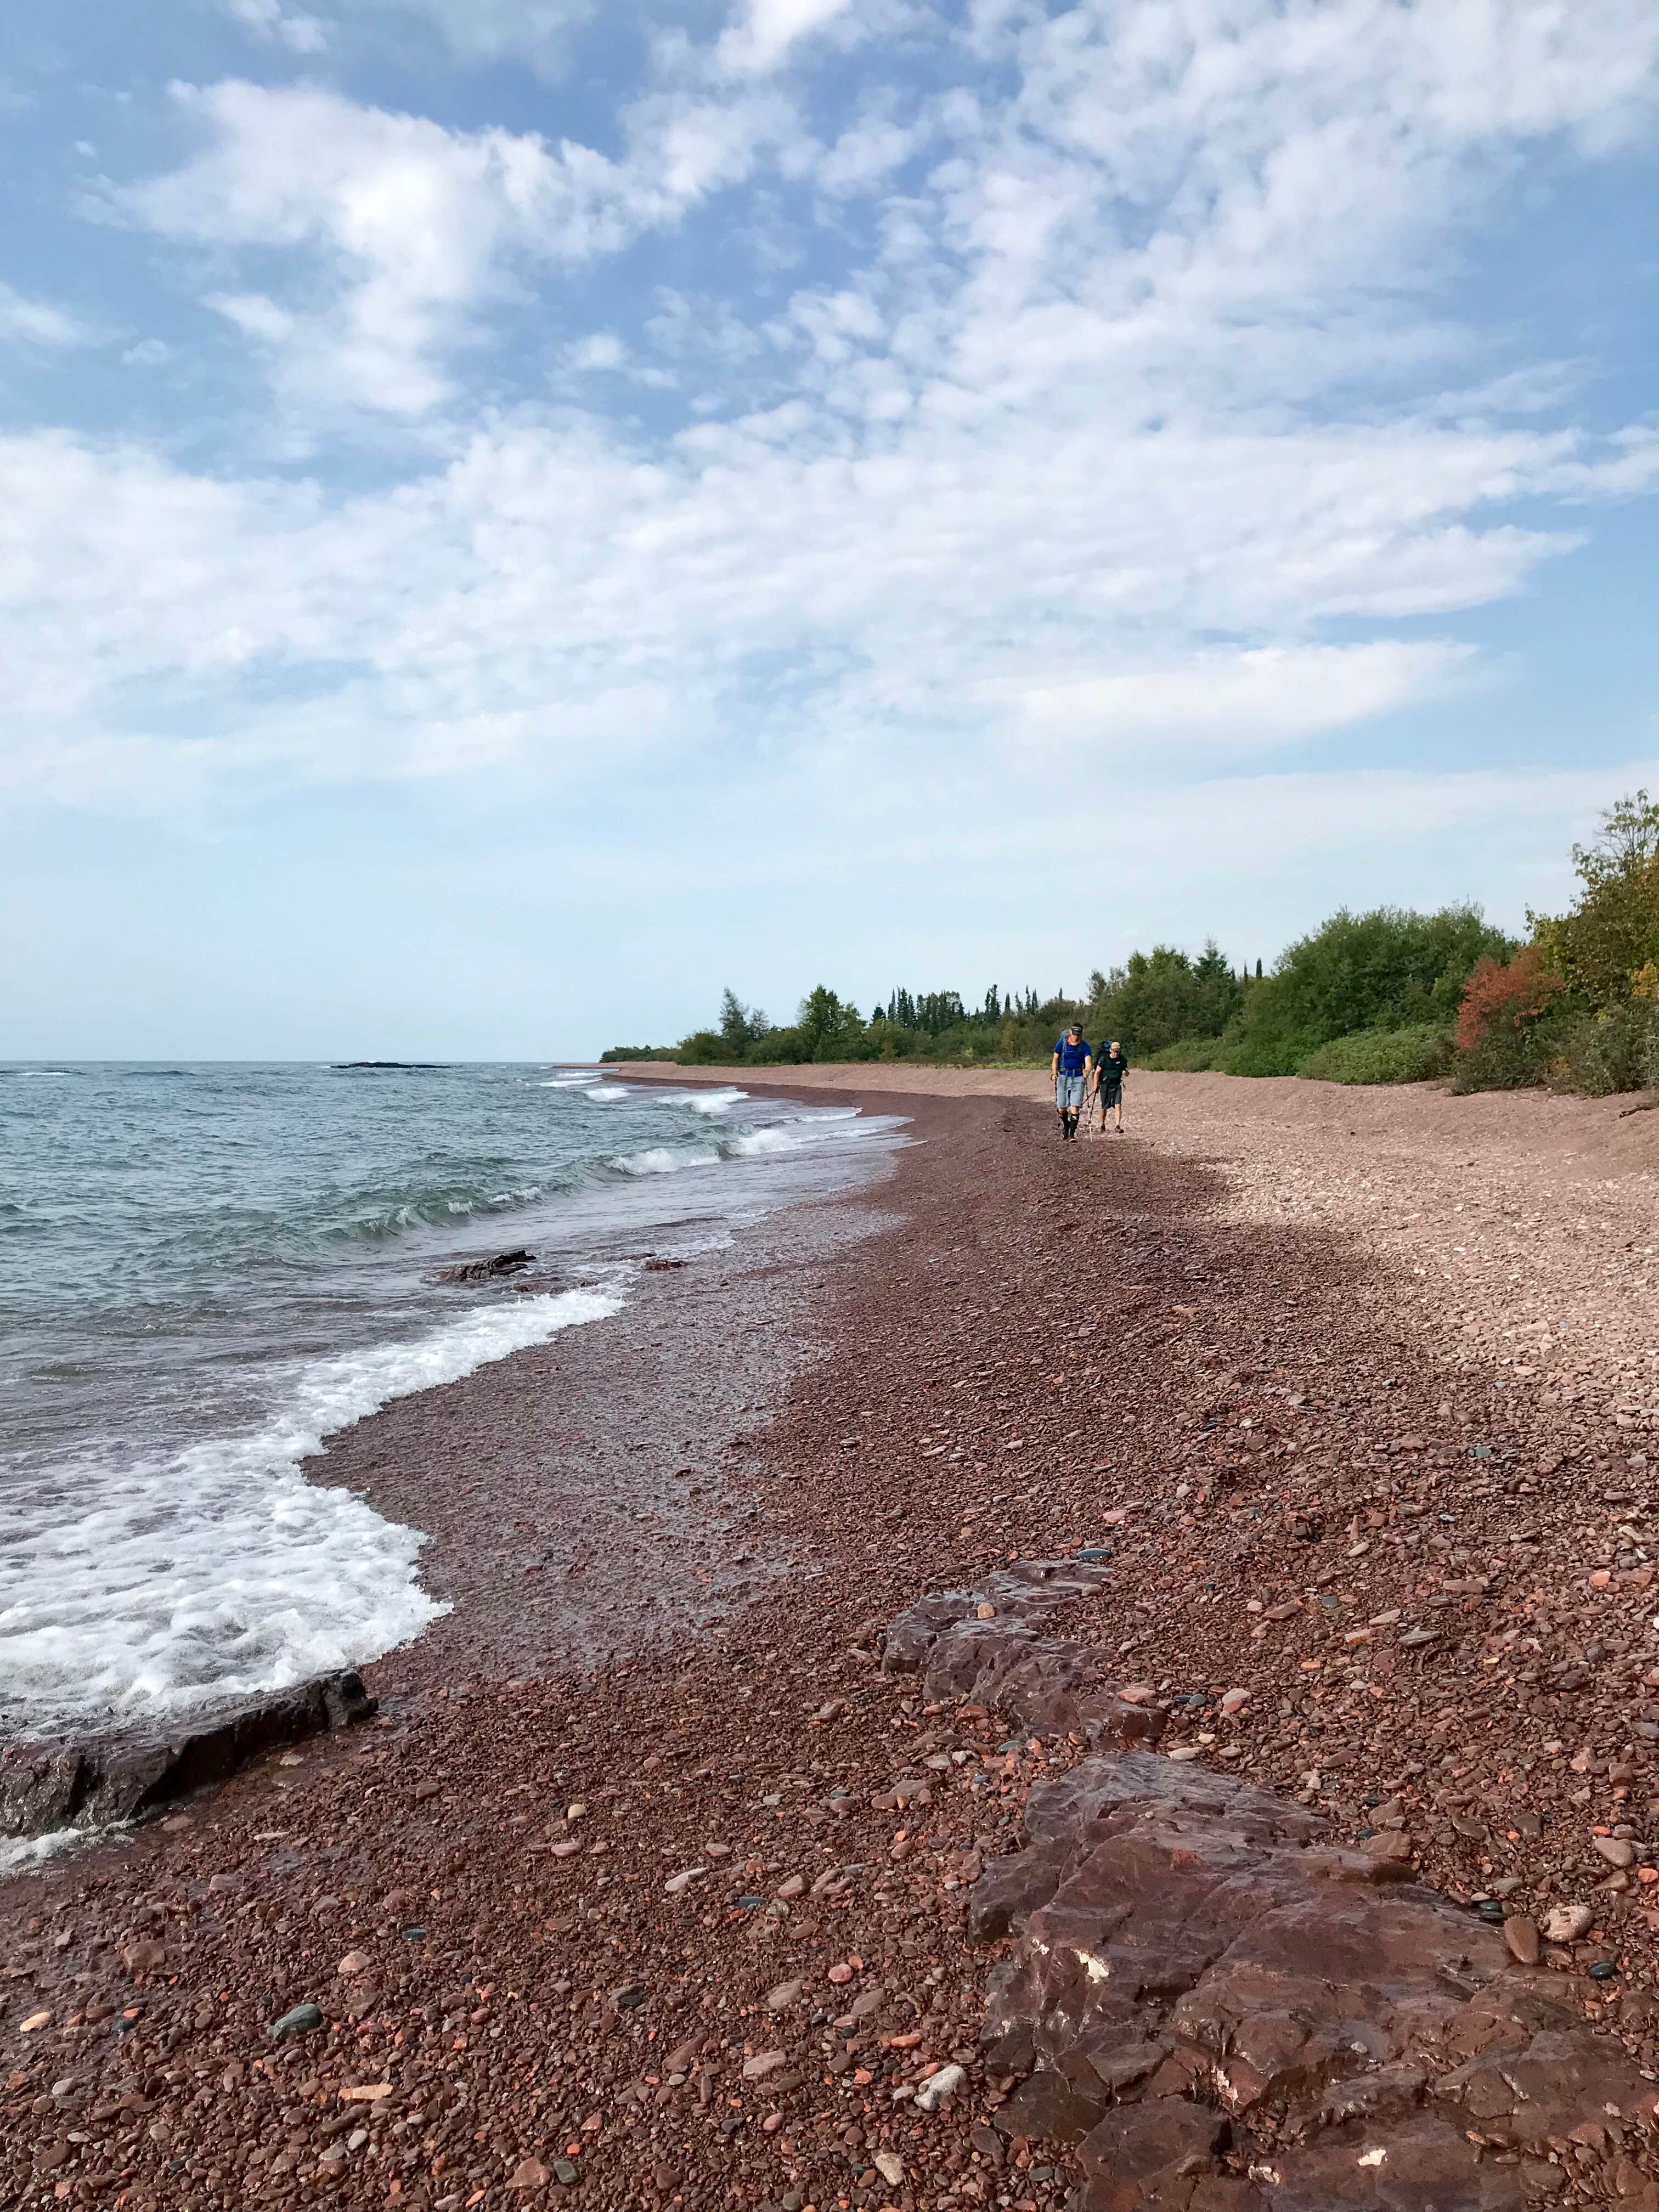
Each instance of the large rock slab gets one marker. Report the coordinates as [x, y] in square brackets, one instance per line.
[1227, 2011]
[48, 1787]
[1206, 1989]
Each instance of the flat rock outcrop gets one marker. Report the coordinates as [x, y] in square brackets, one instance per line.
[48, 1787]
[988, 1646]
[1222, 2008]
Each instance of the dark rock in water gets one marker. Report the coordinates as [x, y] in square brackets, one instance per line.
[486, 1270]
[45, 1787]
[302, 2020]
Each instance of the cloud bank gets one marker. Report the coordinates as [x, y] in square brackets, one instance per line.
[855, 390]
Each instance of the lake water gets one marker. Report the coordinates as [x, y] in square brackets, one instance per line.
[205, 1270]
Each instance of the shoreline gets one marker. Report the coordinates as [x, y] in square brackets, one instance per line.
[517, 1903]
[569, 1429]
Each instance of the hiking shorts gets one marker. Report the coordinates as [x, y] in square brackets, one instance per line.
[1111, 1094]
[1070, 1090]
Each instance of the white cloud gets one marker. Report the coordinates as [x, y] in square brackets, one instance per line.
[766, 30]
[952, 599]
[36, 322]
[1078, 454]
[486, 30]
[600, 350]
[1273, 694]
[412, 231]
[269, 19]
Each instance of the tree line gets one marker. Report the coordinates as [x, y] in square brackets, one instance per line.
[1387, 996]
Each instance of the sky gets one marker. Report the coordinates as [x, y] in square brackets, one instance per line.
[516, 515]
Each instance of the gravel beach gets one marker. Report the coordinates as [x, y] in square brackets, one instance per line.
[648, 1885]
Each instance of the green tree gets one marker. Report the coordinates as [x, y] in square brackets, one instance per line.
[1606, 950]
[829, 1028]
[1391, 968]
[1163, 998]
[740, 1026]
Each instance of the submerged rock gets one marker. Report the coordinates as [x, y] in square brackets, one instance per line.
[487, 1270]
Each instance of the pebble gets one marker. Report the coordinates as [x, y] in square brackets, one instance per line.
[303, 2019]
[1389, 1843]
[529, 2173]
[1566, 1923]
[763, 2063]
[1614, 1850]
[937, 2087]
[1521, 1935]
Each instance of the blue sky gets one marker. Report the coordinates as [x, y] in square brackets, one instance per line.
[514, 515]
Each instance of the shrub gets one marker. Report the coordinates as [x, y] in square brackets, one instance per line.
[703, 1049]
[1191, 1057]
[1599, 1055]
[1387, 970]
[1503, 993]
[1414, 1054]
[779, 1049]
[1505, 1037]
[1264, 1055]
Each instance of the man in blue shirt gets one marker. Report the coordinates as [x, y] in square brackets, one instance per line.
[1072, 1061]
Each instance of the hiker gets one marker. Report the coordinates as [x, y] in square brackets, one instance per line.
[1108, 1083]
[1072, 1061]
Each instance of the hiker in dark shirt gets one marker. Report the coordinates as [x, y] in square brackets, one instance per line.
[1112, 1067]
[1071, 1063]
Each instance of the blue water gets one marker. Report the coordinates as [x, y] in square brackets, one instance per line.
[205, 1270]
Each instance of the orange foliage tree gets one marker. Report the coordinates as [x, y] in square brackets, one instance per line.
[1509, 993]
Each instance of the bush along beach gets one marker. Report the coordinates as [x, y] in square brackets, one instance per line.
[1388, 996]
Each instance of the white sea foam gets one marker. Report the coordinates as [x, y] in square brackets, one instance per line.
[608, 1090]
[709, 1102]
[664, 1159]
[152, 1589]
[756, 1141]
[19, 1853]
